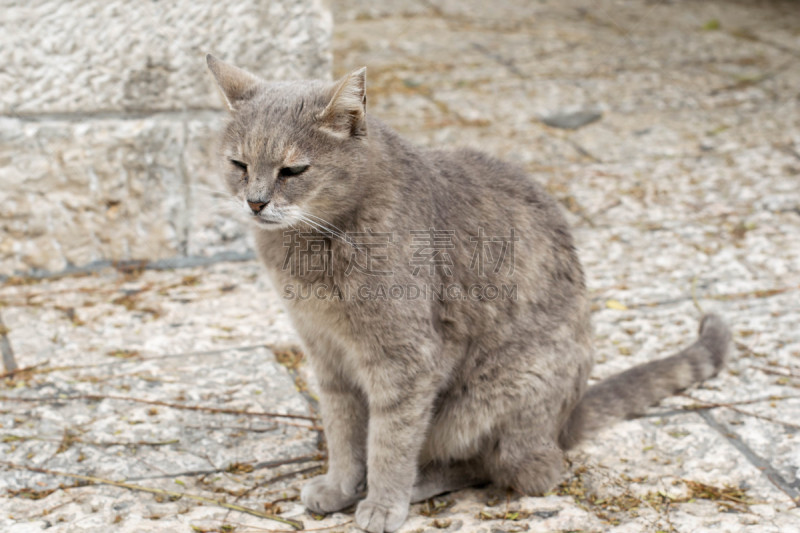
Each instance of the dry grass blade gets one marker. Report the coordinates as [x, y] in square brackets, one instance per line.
[98, 397]
[24, 370]
[701, 405]
[256, 528]
[709, 492]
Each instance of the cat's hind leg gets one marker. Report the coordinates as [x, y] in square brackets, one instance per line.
[528, 464]
[437, 478]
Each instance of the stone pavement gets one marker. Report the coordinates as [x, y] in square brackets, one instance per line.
[684, 195]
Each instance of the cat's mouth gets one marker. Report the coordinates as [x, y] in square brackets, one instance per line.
[270, 223]
[267, 218]
[265, 222]
[273, 217]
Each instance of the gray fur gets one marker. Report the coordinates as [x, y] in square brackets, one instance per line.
[422, 396]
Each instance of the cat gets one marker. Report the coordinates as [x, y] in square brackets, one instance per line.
[462, 384]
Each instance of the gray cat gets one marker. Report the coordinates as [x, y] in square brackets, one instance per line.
[439, 297]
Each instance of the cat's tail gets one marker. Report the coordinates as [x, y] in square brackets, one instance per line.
[628, 393]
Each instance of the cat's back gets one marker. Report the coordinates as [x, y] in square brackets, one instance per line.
[487, 200]
[477, 186]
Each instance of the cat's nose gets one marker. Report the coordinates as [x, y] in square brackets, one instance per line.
[256, 207]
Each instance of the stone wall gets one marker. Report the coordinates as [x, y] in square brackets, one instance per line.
[108, 120]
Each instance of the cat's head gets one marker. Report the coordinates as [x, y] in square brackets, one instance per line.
[293, 150]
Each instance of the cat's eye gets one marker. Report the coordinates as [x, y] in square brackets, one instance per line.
[296, 170]
[241, 166]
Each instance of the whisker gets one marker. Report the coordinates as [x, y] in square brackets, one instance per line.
[316, 226]
[315, 217]
[324, 223]
[323, 229]
[327, 229]
[390, 242]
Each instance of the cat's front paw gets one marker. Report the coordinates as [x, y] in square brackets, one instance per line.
[379, 518]
[321, 495]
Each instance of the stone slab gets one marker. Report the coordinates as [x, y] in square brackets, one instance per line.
[109, 120]
[97, 56]
[136, 188]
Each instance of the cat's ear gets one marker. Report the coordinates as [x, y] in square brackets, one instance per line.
[236, 85]
[346, 113]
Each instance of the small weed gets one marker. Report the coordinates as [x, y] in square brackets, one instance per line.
[240, 468]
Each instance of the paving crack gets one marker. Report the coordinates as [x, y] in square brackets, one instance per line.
[160, 264]
[132, 114]
[507, 63]
[791, 489]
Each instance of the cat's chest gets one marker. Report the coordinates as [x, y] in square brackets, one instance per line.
[304, 272]
[330, 293]
[323, 313]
